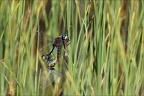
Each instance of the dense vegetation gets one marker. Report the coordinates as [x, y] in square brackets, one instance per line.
[105, 54]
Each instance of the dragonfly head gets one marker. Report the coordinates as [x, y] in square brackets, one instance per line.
[64, 37]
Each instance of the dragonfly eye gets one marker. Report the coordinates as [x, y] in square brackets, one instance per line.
[64, 37]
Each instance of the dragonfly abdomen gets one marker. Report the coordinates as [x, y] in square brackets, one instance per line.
[58, 53]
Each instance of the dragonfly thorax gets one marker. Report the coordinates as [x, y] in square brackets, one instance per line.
[59, 41]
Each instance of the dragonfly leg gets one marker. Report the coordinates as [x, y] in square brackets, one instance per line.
[65, 46]
[68, 43]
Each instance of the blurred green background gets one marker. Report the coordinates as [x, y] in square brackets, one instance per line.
[105, 54]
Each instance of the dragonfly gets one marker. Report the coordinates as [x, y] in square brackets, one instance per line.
[48, 75]
[58, 42]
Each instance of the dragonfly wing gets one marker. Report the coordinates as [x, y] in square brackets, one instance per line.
[59, 74]
[46, 78]
[43, 37]
[45, 41]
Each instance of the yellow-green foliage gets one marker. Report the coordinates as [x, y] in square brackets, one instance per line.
[98, 63]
